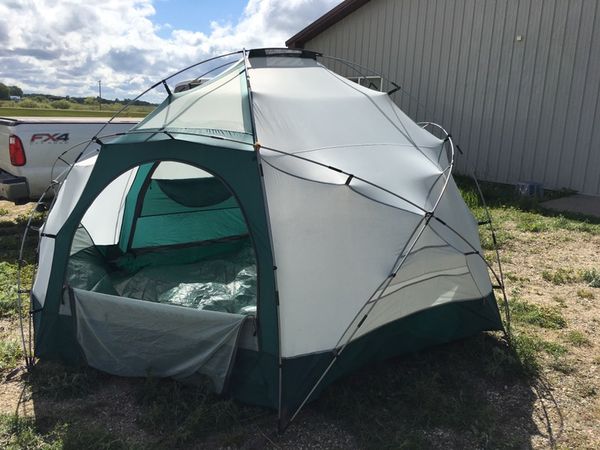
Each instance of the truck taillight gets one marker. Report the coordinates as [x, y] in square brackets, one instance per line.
[15, 149]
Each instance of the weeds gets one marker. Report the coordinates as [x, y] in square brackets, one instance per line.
[585, 294]
[591, 277]
[8, 286]
[10, 354]
[180, 413]
[560, 276]
[540, 316]
[55, 381]
[23, 433]
[578, 339]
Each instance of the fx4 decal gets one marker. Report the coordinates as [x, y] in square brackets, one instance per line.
[56, 138]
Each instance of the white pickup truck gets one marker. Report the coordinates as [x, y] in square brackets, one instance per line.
[30, 146]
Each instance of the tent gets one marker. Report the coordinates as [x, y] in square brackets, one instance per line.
[270, 230]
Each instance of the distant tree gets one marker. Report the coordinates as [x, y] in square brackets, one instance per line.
[15, 90]
[61, 104]
[4, 92]
[90, 101]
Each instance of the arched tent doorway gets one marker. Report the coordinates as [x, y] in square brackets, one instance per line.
[175, 213]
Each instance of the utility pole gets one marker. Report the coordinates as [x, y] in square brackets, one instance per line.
[100, 94]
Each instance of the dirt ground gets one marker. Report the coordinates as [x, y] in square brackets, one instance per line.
[573, 390]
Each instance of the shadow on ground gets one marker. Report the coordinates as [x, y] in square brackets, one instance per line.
[476, 393]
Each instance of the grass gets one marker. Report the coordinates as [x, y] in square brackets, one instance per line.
[10, 354]
[43, 112]
[179, 413]
[543, 317]
[591, 277]
[55, 381]
[585, 294]
[526, 213]
[578, 339]
[560, 276]
[24, 433]
[11, 232]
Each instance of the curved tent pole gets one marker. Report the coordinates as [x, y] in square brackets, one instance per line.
[378, 293]
[27, 347]
[500, 275]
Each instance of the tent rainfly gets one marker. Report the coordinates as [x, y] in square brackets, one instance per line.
[272, 229]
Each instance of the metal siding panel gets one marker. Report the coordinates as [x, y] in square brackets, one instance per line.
[531, 143]
[498, 143]
[441, 89]
[587, 168]
[521, 127]
[563, 92]
[550, 91]
[411, 62]
[425, 66]
[461, 88]
[379, 32]
[473, 74]
[453, 64]
[488, 123]
[371, 34]
[571, 142]
[403, 54]
[482, 95]
[514, 91]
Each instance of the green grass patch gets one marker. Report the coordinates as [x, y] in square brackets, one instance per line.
[180, 414]
[44, 112]
[585, 294]
[540, 316]
[21, 433]
[24, 433]
[560, 276]
[525, 212]
[9, 306]
[11, 354]
[578, 339]
[591, 277]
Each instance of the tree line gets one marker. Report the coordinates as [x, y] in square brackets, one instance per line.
[7, 91]
[61, 102]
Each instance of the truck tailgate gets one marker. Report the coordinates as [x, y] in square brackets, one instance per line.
[44, 139]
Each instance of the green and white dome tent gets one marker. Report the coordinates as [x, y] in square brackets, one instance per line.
[272, 229]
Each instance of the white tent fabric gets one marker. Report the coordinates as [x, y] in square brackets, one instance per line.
[217, 104]
[336, 244]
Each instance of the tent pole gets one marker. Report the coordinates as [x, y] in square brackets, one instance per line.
[257, 147]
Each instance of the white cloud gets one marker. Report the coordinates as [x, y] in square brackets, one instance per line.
[65, 46]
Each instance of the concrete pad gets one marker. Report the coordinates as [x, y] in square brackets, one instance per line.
[579, 203]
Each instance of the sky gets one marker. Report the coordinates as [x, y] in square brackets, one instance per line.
[64, 47]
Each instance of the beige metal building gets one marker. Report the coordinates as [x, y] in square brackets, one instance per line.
[516, 82]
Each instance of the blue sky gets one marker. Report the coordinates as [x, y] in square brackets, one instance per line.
[64, 47]
[196, 15]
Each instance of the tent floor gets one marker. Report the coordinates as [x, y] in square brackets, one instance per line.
[223, 281]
